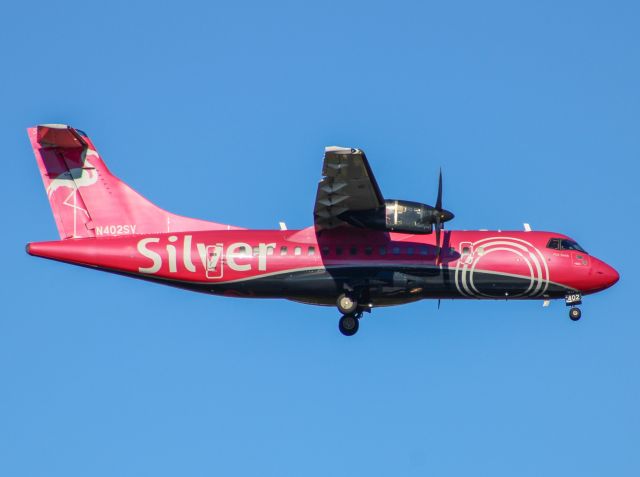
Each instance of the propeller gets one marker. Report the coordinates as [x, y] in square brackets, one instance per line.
[441, 216]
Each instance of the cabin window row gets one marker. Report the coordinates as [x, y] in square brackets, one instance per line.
[284, 250]
[380, 250]
[353, 250]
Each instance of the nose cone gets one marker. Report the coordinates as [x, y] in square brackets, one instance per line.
[605, 275]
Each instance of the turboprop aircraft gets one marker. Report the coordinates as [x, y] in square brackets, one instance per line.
[363, 251]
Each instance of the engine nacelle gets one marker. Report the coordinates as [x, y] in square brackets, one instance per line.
[396, 216]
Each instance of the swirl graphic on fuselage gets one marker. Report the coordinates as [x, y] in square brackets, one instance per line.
[528, 264]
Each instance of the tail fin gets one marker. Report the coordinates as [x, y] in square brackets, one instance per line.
[87, 200]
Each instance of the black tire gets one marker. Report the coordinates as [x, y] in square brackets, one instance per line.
[575, 314]
[346, 304]
[348, 325]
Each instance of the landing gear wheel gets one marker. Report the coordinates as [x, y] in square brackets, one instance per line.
[346, 304]
[575, 314]
[348, 325]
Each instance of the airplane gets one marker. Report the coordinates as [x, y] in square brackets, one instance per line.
[362, 252]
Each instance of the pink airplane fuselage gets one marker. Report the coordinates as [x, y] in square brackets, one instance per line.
[301, 265]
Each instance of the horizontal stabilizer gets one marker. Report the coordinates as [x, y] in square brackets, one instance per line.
[59, 135]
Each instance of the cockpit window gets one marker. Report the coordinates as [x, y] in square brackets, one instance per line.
[571, 245]
[564, 244]
[554, 244]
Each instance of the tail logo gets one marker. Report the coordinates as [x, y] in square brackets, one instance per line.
[76, 177]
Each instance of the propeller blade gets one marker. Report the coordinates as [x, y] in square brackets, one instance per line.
[439, 200]
[441, 216]
[438, 229]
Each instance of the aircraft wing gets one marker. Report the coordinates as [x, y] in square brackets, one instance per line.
[347, 184]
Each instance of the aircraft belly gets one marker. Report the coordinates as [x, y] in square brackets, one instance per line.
[386, 285]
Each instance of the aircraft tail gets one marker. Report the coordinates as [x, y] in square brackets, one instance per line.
[87, 200]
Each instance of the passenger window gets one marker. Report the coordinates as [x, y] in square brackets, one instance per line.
[283, 250]
[466, 251]
[410, 251]
[396, 250]
[383, 250]
[297, 251]
[368, 250]
[353, 250]
[338, 250]
[311, 251]
[270, 250]
[423, 250]
[325, 250]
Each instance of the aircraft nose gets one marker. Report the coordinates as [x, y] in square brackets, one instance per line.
[606, 274]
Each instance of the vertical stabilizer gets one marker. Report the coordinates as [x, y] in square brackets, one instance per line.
[87, 200]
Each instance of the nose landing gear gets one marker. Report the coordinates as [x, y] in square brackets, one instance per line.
[575, 313]
[572, 300]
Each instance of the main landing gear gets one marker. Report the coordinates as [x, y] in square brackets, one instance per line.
[351, 314]
[347, 304]
[349, 325]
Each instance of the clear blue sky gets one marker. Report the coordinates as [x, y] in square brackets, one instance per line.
[222, 112]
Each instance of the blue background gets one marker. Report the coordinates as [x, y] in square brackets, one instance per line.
[221, 111]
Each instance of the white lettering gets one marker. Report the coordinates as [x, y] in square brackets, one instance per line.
[233, 252]
[115, 229]
[171, 252]
[150, 254]
[214, 255]
[238, 256]
[262, 255]
[186, 254]
[202, 252]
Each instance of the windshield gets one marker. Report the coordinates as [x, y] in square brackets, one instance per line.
[565, 244]
[571, 245]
